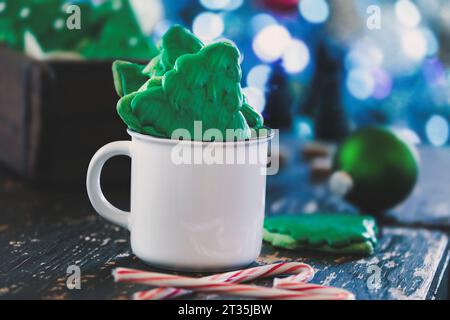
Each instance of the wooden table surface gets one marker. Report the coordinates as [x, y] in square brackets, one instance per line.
[44, 230]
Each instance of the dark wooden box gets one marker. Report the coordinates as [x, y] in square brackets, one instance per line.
[54, 115]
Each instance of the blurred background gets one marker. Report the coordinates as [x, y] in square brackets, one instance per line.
[357, 62]
[315, 68]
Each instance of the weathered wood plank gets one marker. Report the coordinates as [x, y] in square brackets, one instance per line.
[43, 231]
[408, 261]
[34, 262]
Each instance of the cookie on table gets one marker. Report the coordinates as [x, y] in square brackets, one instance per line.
[335, 233]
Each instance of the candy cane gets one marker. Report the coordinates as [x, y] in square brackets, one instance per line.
[214, 286]
[290, 283]
[302, 272]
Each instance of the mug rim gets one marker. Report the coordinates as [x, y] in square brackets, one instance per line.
[163, 140]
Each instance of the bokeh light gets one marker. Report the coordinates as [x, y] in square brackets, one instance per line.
[58, 24]
[255, 98]
[222, 4]
[303, 128]
[360, 83]
[271, 42]
[434, 72]
[234, 4]
[414, 44]
[437, 130]
[25, 12]
[208, 26]
[148, 13]
[296, 57]
[258, 76]
[407, 13]
[215, 4]
[432, 42]
[314, 11]
[363, 55]
[407, 135]
[383, 84]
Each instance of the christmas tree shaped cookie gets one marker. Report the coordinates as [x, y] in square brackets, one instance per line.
[336, 233]
[186, 82]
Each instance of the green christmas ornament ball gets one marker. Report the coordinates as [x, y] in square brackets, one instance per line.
[374, 169]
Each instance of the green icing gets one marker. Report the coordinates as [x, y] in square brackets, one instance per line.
[128, 77]
[336, 233]
[287, 242]
[186, 82]
[177, 41]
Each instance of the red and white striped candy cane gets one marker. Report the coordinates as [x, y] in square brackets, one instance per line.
[303, 272]
[214, 286]
[292, 284]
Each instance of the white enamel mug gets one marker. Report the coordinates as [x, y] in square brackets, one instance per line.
[192, 217]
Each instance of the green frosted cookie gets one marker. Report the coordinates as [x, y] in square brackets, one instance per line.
[186, 82]
[128, 77]
[336, 233]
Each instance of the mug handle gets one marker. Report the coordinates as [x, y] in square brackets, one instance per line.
[94, 190]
